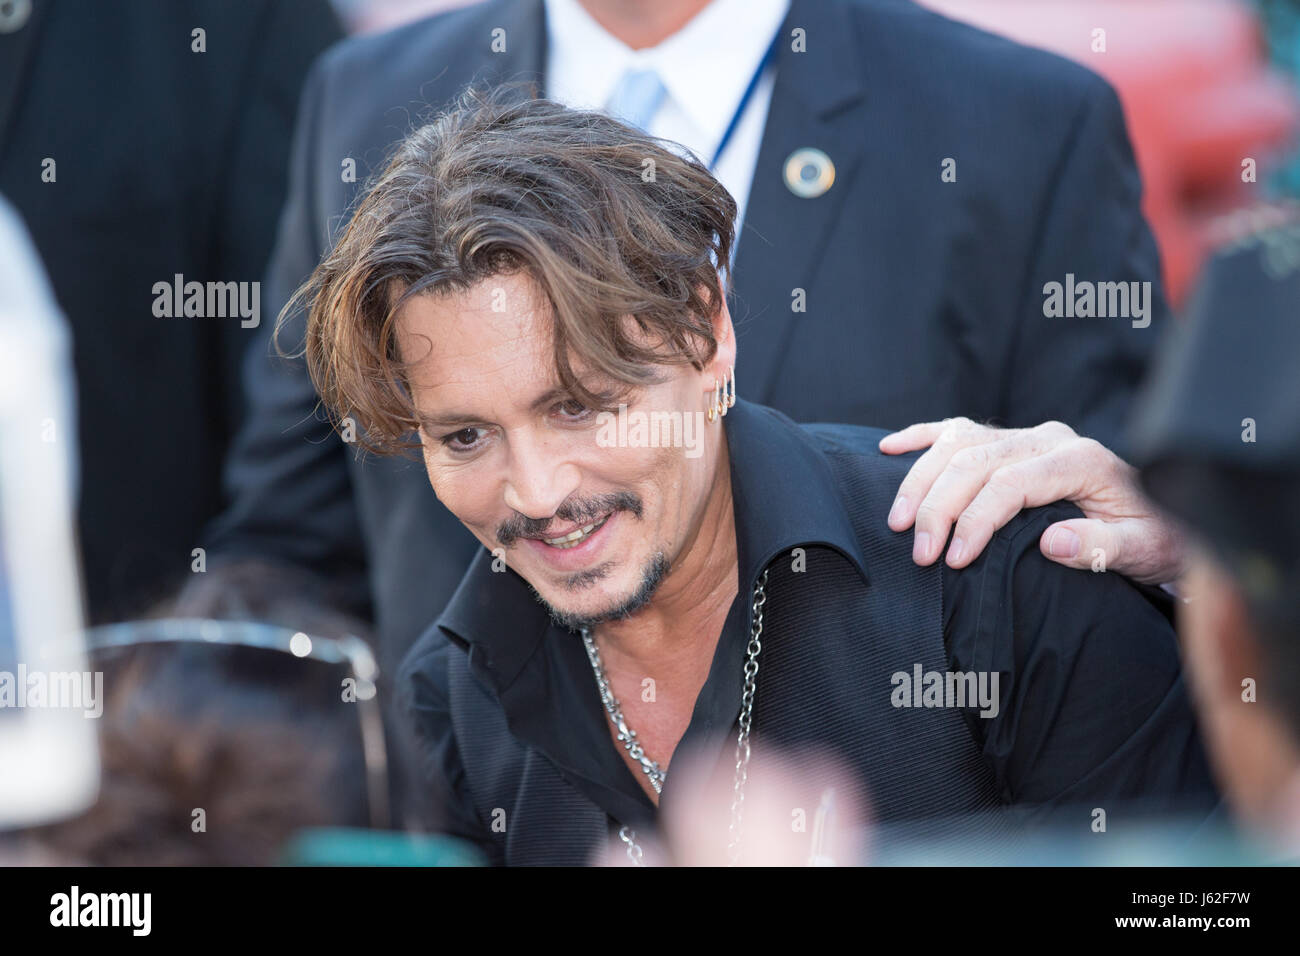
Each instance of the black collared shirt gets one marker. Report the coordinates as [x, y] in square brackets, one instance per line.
[1092, 705]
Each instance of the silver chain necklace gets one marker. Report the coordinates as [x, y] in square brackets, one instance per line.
[651, 768]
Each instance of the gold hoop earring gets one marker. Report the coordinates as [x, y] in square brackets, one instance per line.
[731, 387]
[713, 405]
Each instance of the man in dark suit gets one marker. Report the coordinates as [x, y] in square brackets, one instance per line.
[141, 141]
[914, 185]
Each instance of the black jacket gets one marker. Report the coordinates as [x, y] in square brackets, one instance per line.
[166, 161]
[923, 298]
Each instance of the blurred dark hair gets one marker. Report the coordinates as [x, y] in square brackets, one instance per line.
[260, 740]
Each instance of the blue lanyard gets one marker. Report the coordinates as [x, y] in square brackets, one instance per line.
[748, 95]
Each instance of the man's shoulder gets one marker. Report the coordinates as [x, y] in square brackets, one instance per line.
[856, 448]
[854, 455]
[968, 62]
[367, 93]
[449, 29]
[424, 63]
[865, 481]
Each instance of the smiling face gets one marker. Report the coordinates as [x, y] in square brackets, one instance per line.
[592, 523]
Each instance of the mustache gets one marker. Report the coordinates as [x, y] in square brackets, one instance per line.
[579, 511]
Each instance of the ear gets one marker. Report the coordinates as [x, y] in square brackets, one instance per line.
[724, 335]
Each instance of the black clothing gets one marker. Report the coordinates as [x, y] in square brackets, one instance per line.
[1092, 710]
[166, 161]
[1218, 434]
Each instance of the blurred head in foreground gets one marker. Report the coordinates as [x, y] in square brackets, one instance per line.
[221, 739]
[1219, 445]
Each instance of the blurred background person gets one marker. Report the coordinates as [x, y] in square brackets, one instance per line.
[219, 742]
[142, 141]
[239, 743]
[1219, 443]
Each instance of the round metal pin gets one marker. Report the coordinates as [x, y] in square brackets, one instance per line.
[809, 172]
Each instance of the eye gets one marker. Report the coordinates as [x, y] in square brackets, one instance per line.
[572, 410]
[464, 440]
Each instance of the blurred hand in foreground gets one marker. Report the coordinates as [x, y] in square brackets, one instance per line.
[797, 811]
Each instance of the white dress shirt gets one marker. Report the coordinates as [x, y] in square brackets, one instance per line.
[705, 66]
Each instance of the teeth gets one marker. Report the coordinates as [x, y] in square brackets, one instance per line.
[573, 537]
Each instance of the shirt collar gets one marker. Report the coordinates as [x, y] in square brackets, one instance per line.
[784, 495]
[706, 65]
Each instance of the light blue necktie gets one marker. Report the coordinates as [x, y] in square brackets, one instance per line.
[637, 98]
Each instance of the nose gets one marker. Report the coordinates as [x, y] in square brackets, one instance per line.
[539, 478]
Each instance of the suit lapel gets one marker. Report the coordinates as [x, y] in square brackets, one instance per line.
[783, 235]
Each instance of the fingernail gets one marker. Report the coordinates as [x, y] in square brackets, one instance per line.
[956, 551]
[897, 511]
[1063, 543]
[921, 547]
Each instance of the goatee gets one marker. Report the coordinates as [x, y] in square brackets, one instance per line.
[653, 575]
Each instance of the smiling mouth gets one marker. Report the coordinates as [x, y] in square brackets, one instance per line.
[575, 538]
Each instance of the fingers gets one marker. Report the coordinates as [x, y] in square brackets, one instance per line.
[951, 436]
[1145, 549]
[1033, 481]
[1084, 543]
[913, 437]
[979, 478]
[1000, 500]
[966, 472]
[987, 483]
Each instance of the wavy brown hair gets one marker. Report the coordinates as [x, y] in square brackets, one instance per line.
[623, 236]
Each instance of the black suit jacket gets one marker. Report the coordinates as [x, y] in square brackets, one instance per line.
[924, 299]
[167, 161]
